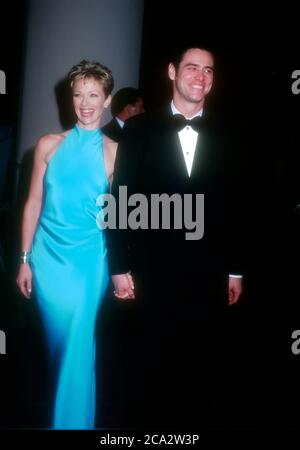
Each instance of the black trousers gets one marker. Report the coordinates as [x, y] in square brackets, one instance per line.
[171, 359]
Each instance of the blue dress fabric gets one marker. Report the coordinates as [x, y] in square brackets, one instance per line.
[70, 274]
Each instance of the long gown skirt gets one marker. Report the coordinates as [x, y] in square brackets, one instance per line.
[70, 273]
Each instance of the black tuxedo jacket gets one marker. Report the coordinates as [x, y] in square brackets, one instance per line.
[113, 130]
[150, 161]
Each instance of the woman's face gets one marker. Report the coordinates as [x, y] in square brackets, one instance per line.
[89, 102]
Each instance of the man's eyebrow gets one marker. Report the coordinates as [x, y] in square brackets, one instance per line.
[191, 64]
[197, 65]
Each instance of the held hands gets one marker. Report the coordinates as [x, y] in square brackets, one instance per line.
[124, 287]
[235, 289]
[24, 280]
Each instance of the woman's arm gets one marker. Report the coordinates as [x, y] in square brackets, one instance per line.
[123, 283]
[33, 206]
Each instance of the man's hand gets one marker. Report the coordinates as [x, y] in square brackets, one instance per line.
[235, 289]
[124, 286]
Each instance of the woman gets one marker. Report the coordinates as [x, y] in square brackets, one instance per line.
[63, 251]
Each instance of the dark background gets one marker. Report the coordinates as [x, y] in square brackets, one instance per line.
[13, 18]
[256, 48]
[256, 51]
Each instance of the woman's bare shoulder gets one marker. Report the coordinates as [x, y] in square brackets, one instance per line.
[48, 143]
[48, 140]
[109, 144]
[109, 151]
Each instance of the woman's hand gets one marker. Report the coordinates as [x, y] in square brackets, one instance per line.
[235, 289]
[24, 279]
[124, 286]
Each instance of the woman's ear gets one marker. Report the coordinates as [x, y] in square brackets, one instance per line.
[107, 102]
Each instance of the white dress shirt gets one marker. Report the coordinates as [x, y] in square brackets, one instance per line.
[188, 140]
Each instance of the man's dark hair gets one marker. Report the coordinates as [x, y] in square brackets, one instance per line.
[123, 97]
[178, 54]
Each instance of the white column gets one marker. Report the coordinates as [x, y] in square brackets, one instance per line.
[60, 33]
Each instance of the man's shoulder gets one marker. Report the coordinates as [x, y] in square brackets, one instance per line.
[112, 129]
[111, 124]
[150, 120]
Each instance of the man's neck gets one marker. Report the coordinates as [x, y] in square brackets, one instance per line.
[188, 113]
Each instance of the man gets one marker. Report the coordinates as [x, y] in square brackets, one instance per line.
[179, 283]
[126, 103]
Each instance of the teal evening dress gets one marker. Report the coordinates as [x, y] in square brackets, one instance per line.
[70, 274]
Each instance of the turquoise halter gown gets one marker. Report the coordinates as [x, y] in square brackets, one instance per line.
[70, 274]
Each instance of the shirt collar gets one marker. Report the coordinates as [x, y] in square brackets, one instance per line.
[120, 122]
[175, 111]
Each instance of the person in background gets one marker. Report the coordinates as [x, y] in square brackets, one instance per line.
[126, 103]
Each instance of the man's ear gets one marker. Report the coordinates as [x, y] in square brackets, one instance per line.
[171, 71]
[107, 101]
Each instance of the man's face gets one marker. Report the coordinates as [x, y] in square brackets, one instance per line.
[193, 79]
[137, 108]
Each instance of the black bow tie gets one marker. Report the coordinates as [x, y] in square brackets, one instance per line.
[180, 122]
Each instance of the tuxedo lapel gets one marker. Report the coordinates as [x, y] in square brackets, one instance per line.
[174, 154]
[171, 159]
[207, 159]
[164, 164]
[172, 150]
[200, 156]
[113, 130]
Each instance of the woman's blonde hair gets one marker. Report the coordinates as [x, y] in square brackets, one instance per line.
[93, 69]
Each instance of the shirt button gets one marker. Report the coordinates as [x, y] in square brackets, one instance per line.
[187, 127]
